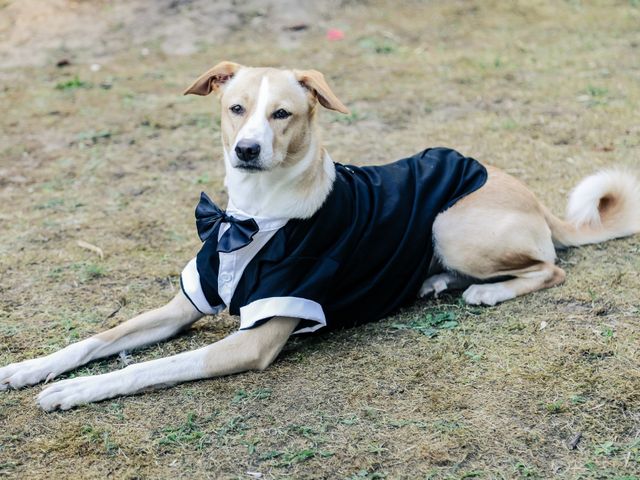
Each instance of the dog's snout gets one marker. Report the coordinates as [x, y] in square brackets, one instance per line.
[247, 150]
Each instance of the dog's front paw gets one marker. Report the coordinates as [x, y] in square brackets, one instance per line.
[487, 294]
[69, 393]
[22, 374]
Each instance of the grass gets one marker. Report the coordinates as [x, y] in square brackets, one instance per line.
[186, 434]
[431, 323]
[72, 84]
[97, 437]
[547, 91]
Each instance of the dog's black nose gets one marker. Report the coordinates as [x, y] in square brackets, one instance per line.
[247, 150]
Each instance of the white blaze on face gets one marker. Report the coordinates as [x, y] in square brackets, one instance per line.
[257, 127]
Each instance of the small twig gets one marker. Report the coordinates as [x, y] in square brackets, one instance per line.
[121, 303]
[409, 449]
[93, 248]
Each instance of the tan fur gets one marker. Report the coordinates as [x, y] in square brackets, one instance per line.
[503, 230]
[567, 234]
[213, 79]
[317, 85]
[259, 347]
[175, 316]
[493, 231]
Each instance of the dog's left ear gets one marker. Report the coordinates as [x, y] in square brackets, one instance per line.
[314, 81]
[213, 79]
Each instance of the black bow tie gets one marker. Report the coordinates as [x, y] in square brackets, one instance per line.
[208, 218]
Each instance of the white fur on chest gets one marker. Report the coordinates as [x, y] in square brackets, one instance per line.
[274, 193]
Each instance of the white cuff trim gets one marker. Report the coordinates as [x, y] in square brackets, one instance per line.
[283, 307]
[190, 283]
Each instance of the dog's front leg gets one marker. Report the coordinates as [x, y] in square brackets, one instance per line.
[142, 330]
[253, 349]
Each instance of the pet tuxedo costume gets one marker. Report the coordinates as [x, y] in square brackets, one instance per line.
[362, 255]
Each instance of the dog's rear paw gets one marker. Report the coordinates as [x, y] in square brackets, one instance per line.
[487, 294]
[434, 285]
[23, 374]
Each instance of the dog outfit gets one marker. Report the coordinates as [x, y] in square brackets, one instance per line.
[362, 255]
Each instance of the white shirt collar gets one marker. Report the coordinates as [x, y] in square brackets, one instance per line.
[265, 224]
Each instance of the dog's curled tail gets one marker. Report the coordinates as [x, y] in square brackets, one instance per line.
[601, 207]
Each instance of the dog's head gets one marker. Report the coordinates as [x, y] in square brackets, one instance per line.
[267, 114]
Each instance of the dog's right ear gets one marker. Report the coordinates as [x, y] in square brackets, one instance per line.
[213, 79]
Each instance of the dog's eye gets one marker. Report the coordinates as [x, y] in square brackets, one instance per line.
[281, 114]
[237, 109]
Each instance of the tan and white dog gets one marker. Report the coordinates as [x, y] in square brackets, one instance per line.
[276, 167]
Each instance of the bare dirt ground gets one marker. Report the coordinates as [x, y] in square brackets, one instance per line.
[104, 149]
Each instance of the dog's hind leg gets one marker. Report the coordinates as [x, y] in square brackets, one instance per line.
[142, 330]
[541, 276]
[495, 232]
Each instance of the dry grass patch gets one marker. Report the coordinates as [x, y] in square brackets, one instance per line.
[117, 157]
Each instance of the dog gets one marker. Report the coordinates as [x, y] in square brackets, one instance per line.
[289, 255]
